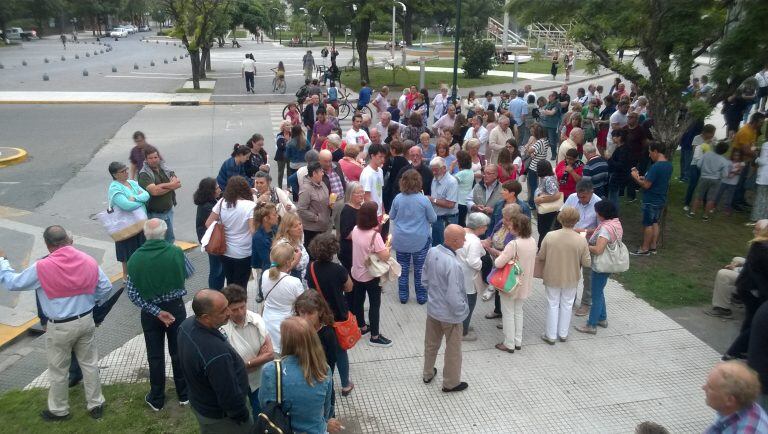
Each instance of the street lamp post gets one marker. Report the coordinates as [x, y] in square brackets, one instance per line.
[454, 91]
[354, 50]
[394, 9]
[274, 25]
[306, 34]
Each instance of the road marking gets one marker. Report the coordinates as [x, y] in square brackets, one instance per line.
[10, 182]
[148, 78]
[157, 73]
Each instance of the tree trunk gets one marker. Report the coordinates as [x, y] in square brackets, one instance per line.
[194, 57]
[408, 27]
[362, 48]
[206, 59]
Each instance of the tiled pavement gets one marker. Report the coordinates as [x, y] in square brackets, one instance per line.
[644, 367]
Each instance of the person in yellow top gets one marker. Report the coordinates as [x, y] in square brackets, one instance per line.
[746, 140]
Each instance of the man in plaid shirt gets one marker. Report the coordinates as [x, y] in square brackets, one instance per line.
[732, 389]
[155, 284]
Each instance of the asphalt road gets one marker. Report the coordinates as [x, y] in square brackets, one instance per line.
[59, 139]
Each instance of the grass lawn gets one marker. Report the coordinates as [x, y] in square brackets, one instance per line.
[125, 412]
[683, 272]
[533, 66]
[383, 77]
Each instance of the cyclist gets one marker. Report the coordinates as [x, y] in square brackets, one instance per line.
[333, 95]
[303, 92]
[365, 95]
[279, 75]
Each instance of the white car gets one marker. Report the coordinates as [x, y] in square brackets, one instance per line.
[119, 32]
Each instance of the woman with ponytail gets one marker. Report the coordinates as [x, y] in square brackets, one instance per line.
[280, 289]
[234, 166]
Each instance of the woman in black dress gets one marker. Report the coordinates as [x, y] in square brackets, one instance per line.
[555, 61]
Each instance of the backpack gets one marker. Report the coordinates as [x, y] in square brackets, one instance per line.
[274, 419]
[535, 113]
[302, 92]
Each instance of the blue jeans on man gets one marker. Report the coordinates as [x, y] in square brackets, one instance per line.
[438, 227]
[167, 217]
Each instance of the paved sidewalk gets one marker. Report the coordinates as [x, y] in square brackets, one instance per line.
[47, 97]
[644, 367]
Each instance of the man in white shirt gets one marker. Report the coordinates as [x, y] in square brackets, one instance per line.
[477, 131]
[372, 177]
[385, 120]
[762, 88]
[529, 91]
[356, 134]
[497, 139]
[618, 121]
[440, 103]
[248, 70]
[591, 89]
[489, 100]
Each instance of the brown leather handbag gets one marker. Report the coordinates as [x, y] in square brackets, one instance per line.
[217, 245]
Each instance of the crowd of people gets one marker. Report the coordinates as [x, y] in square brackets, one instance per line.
[448, 199]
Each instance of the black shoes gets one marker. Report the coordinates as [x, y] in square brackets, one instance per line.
[434, 374]
[74, 381]
[97, 412]
[50, 417]
[459, 388]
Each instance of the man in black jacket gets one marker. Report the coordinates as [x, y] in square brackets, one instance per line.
[309, 116]
[216, 376]
[417, 162]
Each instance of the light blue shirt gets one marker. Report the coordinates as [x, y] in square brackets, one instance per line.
[587, 214]
[443, 276]
[57, 308]
[517, 108]
[412, 216]
[446, 188]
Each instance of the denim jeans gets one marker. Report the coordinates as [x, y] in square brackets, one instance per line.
[253, 397]
[438, 227]
[693, 180]
[215, 272]
[155, 333]
[533, 183]
[472, 300]
[404, 259]
[597, 312]
[342, 364]
[554, 140]
[167, 217]
[686, 155]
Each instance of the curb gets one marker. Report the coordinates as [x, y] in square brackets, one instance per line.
[15, 159]
[109, 102]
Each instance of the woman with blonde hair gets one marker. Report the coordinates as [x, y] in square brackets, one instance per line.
[280, 290]
[306, 379]
[563, 252]
[522, 250]
[291, 231]
[472, 146]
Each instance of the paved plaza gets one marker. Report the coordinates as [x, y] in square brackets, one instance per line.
[645, 366]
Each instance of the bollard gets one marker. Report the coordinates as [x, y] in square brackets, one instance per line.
[95, 53]
[63, 58]
[45, 77]
[165, 61]
[101, 51]
[85, 73]
[157, 42]
[46, 60]
[135, 66]
[23, 63]
[174, 58]
[1, 66]
[152, 63]
[77, 56]
[166, 42]
[114, 68]
[87, 54]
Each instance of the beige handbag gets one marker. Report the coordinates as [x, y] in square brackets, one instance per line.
[548, 207]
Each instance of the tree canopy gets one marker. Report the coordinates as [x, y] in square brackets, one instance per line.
[669, 36]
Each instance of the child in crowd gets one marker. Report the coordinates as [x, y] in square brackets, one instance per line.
[714, 168]
[728, 184]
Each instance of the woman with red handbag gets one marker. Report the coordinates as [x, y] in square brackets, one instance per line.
[522, 250]
[332, 281]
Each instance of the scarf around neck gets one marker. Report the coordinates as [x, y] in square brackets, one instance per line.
[67, 272]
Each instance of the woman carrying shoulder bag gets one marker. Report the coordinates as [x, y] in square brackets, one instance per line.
[280, 290]
[608, 231]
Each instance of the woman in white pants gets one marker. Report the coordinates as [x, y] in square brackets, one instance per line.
[523, 250]
[563, 252]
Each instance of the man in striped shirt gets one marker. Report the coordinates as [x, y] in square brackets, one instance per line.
[596, 170]
[732, 390]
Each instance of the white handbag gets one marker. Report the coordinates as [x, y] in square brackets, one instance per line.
[614, 259]
[121, 224]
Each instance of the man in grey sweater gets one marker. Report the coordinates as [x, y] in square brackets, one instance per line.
[447, 308]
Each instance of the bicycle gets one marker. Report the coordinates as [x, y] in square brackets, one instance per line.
[299, 104]
[278, 83]
[346, 107]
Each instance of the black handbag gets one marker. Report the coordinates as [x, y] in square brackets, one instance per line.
[274, 419]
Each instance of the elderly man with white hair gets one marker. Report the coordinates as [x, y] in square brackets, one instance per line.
[375, 135]
[385, 120]
[155, 284]
[444, 198]
[574, 141]
[497, 139]
[333, 178]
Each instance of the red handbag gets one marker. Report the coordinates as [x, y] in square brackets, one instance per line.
[347, 331]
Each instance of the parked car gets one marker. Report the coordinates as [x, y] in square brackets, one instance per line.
[145, 29]
[119, 32]
[18, 33]
[131, 28]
